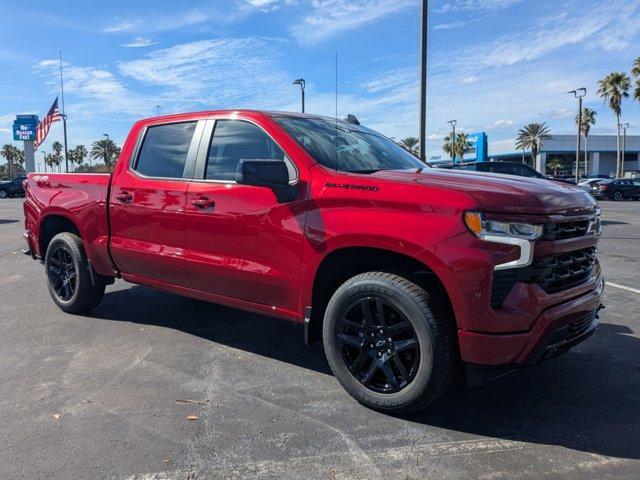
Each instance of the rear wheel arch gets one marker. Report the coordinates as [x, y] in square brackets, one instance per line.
[341, 264]
[50, 226]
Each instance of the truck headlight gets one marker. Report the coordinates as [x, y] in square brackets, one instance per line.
[482, 228]
[519, 234]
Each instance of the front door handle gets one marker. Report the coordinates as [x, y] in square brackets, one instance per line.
[124, 197]
[203, 202]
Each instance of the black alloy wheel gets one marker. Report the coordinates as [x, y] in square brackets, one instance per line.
[617, 195]
[69, 280]
[62, 273]
[389, 342]
[378, 344]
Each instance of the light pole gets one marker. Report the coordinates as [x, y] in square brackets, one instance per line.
[157, 110]
[624, 127]
[44, 161]
[302, 84]
[453, 124]
[579, 93]
[108, 148]
[423, 78]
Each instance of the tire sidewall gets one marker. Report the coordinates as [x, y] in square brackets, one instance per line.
[4, 194]
[408, 306]
[617, 196]
[78, 263]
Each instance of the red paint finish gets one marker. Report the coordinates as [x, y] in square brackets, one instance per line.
[239, 246]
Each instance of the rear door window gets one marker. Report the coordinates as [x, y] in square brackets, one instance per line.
[164, 150]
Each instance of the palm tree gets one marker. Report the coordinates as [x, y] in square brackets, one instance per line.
[588, 119]
[449, 148]
[411, 144]
[613, 88]
[57, 154]
[462, 144]
[49, 160]
[635, 71]
[80, 153]
[532, 137]
[8, 151]
[555, 164]
[104, 150]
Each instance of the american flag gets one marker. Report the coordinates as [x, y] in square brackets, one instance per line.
[45, 124]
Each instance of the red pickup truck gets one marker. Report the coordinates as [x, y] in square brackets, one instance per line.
[406, 273]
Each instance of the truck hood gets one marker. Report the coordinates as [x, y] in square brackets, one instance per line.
[502, 193]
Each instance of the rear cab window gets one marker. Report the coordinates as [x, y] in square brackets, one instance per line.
[164, 150]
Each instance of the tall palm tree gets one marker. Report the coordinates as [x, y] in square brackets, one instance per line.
[462, 144]
[57, 154]
[449, 148]
[612, 89]
[411, 144]
[532, 137]
[80, 153]
[588, 119]
[635, 71]
[104, 150]
[8, 151]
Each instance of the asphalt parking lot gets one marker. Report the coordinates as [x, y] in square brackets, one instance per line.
[108, 395]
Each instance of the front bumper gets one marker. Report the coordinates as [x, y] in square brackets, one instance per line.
[557, 330]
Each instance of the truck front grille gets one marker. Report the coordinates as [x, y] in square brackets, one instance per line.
[558, 272]
[562, 230]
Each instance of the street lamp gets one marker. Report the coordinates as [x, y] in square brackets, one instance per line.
[579, 93]
[157, 110]
[453, 124]
[302, 84]
[108, 145]
[624, 127]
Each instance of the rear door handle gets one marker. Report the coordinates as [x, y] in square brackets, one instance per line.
[203, 202]
[124, 197]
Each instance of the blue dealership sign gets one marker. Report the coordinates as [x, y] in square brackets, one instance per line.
[479, 142]
[24, 127]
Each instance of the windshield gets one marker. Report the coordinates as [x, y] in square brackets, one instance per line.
[347, 147]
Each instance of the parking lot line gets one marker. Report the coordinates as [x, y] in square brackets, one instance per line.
[623, 287]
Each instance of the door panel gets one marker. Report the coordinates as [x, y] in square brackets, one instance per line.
[247, 246]
[147, 214]
[241, 242]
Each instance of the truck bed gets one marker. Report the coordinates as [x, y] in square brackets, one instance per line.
[79, 198]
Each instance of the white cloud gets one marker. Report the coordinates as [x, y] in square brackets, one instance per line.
[475, 5]
[270, 5]
[167, 22]
[139, 42]
[470, 79]
[393, 79]
[451, 25]
[211, 72]
[99, 87]
[332, 17]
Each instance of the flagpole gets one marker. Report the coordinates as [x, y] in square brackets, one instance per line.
[64, 119]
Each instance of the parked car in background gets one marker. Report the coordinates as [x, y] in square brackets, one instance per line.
[617, 189]
[12, 188]
[506, 168]
[590, 184]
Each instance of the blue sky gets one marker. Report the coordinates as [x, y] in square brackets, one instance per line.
[494, 64]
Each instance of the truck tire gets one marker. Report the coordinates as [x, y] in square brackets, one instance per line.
[68, 275]
[399, 361]
[618, 196]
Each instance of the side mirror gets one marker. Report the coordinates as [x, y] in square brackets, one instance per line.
[272, 174]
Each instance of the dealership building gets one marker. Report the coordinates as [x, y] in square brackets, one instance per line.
[601, 152]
